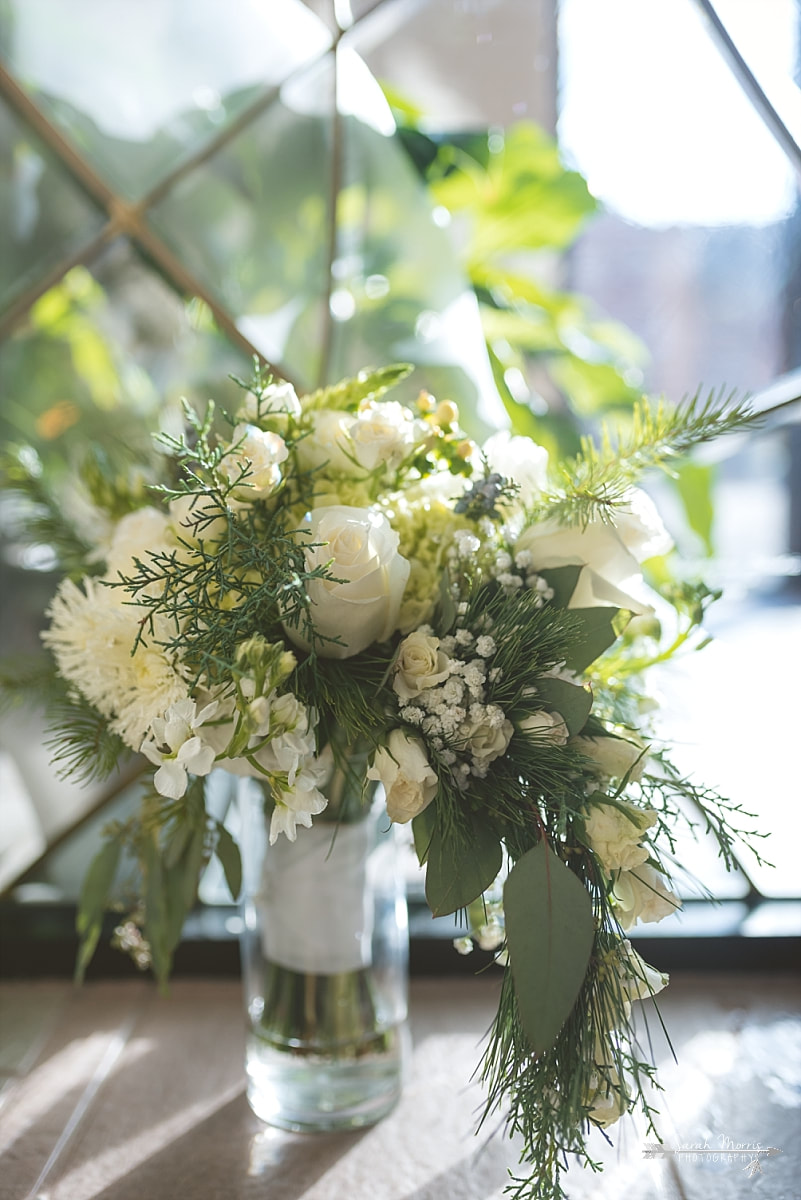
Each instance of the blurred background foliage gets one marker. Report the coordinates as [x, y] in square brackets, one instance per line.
[264, 195]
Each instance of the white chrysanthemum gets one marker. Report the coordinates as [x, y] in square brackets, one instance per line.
[92, 632]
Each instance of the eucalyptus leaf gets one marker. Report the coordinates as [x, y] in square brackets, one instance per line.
[157, 923]
[571, 702]
[459, 868]
[549, 933]
[447, 605]
[563, 580]
[92, 904]
[227, 852]
[423, 826]
[600, 628]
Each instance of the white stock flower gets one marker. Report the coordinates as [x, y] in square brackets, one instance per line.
[610, 554]
[615, 831]
[520, 460]
[404, 770]
[420, 664]
[302, 800]
[177, 748]
[545, 727]
[258, 452]
[642, 895]
[362, 549]
[92, 633]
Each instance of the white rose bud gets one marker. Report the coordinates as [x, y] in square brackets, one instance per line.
[278, 402]
[258, 452]
[545, 727]
[362, 549]
[642, 895]
[612, 757]
[420, 664]
[486, 740]
[614, 832]
[406, 774]
[383, 434]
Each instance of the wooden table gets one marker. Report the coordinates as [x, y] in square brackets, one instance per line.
[116, 1093]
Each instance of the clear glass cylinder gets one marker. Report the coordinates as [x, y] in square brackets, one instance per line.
[325, 965]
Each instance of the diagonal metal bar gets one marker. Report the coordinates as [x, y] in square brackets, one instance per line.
[124, 219]
[748, 82]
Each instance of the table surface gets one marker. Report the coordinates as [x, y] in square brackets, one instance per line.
[114, 1092]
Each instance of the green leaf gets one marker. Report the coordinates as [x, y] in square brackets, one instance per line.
[573, 703]
[157, 922]
[460, 867]
[694, 483]
[423, 826]
[92, 904]
[550, 932]
[367, 385]
[563, 580]
[227, 852]
[447, 604]
[600, 628]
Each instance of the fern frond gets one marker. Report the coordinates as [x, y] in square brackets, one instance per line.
[596, 481]
[367, 385]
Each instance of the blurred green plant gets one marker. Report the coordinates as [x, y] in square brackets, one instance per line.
[559, 365]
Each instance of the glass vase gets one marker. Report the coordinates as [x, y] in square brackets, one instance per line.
[324, 960]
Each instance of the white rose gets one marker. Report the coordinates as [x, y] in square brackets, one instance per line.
[521, 460]
[137, 535]
[613, 757]
[383, 434]
[258, 452]
[420, 664]
[362, 549]
[642, 895]
[486, 739]
[609, 553]
[615, 835]
[406, 774]
[546, 727]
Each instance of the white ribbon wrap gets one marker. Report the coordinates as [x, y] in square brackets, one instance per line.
[315, 910]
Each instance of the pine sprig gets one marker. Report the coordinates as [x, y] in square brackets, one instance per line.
[595, 482]
[81, 744]
[42, 521]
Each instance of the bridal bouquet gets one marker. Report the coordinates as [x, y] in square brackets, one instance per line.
[310, 574]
